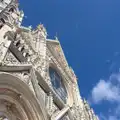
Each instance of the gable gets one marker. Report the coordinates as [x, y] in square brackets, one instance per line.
[56, 50]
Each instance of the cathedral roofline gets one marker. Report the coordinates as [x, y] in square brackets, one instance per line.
[26, 77]
[56, 42]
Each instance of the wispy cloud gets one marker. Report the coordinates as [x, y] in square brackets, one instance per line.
[110, 117]
[113, 118]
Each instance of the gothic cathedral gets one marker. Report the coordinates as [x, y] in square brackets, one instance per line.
[36, 82]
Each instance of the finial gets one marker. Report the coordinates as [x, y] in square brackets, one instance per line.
[40, 27]
[22, 14]
[56, 36]
[30, 27]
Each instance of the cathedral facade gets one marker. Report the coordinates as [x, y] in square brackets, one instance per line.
[36, 82]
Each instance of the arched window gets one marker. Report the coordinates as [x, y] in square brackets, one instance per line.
[58, 84]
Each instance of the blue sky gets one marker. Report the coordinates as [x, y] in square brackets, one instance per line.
[89, 31]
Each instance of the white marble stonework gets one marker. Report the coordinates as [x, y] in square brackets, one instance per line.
[36, 82]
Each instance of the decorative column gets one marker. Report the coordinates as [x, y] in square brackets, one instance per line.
[40, 35]
[49, 103]
[20, 18]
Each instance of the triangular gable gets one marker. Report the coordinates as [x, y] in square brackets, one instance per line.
[56, 49]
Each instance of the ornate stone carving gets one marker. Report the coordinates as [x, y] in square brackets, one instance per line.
[36, 54]
[10, 58]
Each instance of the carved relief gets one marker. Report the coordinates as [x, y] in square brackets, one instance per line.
[24, 76]
[10, 59]
[32, 45]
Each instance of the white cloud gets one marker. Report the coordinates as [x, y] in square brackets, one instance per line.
[115, 77]
[105, 91]
[110, 117]
[108, 90]
[113, 118]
